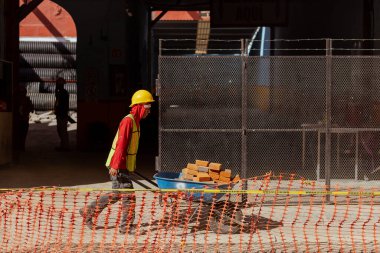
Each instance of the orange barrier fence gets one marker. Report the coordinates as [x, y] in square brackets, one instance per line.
[279, 214]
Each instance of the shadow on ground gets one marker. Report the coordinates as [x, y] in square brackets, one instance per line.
[41, 165]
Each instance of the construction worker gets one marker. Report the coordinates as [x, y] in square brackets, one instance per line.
[121, 162]
[23, 108]
[61, 110]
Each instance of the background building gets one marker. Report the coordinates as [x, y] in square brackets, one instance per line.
[108, 49]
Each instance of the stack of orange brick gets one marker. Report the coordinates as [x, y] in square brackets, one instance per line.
[204, 171]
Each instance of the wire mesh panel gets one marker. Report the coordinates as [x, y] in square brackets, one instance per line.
[200, 108]
[286, 101]
[200, 92]
[275, 152]
[356, 117]
[285, 92]
[180, 148]
[356, 91]
[272, 112]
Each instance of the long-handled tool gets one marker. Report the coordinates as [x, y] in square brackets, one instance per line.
[135, 176]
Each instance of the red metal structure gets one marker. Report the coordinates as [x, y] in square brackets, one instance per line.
[48, 19]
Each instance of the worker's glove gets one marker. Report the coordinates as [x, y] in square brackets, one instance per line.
[113, 172]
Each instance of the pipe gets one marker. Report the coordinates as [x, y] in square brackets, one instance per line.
[38, 74]
[47, 61]
[47, 47]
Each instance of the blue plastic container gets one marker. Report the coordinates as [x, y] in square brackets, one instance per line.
[170, 180]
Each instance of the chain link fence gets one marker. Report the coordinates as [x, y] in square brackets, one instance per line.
[281, 113]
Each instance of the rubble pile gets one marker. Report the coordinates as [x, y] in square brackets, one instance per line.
[49, 118]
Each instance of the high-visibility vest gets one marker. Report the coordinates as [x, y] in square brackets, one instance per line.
[132, 147]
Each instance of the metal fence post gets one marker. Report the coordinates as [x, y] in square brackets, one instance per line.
[328, 117]
[158, 94]
[159, 48]
[244, 109]
[158, 164]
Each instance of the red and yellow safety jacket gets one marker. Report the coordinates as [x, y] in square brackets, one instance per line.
[125, 144]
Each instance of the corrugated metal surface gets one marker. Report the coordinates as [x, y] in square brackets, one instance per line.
[41, 63]
[47, 74]
[48, 60]
[48, 47]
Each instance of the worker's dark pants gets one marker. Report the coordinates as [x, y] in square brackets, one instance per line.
[121, 181]
[62, 131]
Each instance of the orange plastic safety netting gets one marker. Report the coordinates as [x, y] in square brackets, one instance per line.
[281, 213]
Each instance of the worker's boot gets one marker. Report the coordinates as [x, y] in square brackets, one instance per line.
[87, 216]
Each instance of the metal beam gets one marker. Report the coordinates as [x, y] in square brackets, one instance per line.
[27, 8]
[153, 22]
[179, 5]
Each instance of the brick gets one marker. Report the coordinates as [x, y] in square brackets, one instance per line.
[236, 178]
[213, 171]
[215, 166]
[202, 169]
[202, 179]
[192, 172]
[226, 173]
[203, 174]
[224, 179]
[187, 176]
[220, 182]
[214, 175]
[201, 163]
[192, 166]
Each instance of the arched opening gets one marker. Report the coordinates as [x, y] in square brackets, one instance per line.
[47, 46]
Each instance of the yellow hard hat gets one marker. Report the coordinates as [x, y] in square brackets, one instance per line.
[141, 97]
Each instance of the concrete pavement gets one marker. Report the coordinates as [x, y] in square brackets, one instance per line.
[41, 165]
